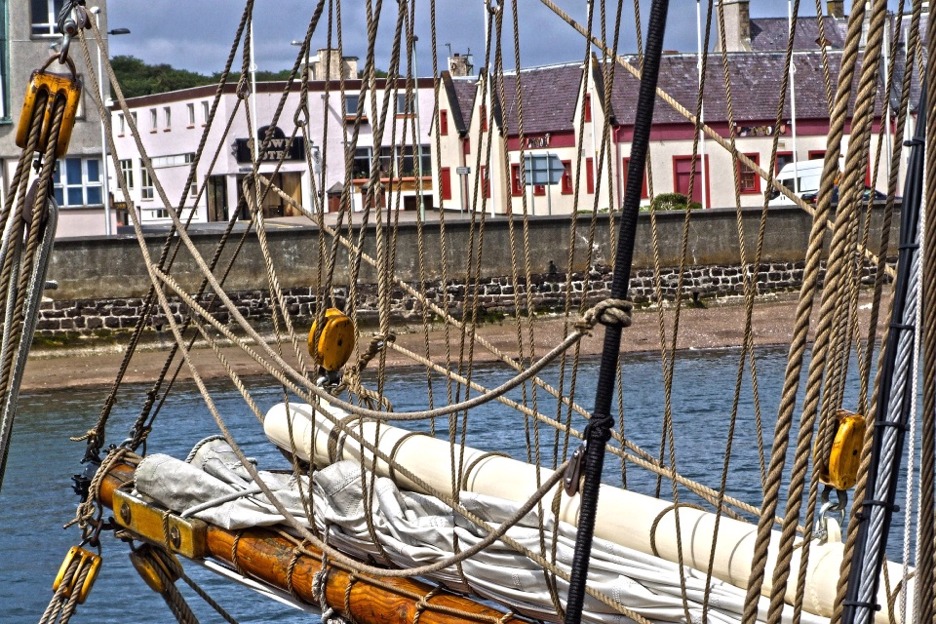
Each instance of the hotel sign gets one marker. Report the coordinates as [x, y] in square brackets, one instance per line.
[277, 148]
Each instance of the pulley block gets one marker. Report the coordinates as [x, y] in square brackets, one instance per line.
[335, 341]
[157, 567]
[841, 472]
[45, 88]
[84, 559]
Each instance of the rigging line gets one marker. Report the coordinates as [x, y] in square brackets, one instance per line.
[598, 429]
[412, 291]
[801, 328]
[831, 298]
[641, 459]
[353, 409]
[148, 302]
[681, 110]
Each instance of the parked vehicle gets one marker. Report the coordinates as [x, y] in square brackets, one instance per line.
[800, 177]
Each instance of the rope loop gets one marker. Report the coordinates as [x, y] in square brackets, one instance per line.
[607, 312]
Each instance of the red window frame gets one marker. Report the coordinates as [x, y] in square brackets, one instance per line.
[516, 185]
[445, 182]
[586, 105]
[782, 159]
[485, 181]
[443, 122]
[566, 182]
[590, 176]
[749, 183]
[644, 193]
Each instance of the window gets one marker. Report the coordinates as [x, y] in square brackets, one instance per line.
[174, 160]
[566, 181]
[405, 103]
[445, 182]
[154, 121]
[44, 13]
[77, 183]
[146, 183]
[590, 176]
[443, 122]
[482, 112]
[516, 185]
[352, 106]
[126, 168]
[121, 124]
[586, 107]
[191, 114]
[167, 116]
[748, 180]
[783, 158]
[206, 110]
[644, 194]
[485, 181]
[816, 154]
[361, 165]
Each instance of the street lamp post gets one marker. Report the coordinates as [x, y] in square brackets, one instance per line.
[105, 184]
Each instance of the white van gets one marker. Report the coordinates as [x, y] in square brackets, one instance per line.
[808, 174]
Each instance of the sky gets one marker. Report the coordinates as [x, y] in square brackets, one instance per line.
[197, 35]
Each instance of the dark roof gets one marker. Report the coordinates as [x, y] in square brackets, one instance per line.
[461, 93]
[755, 81]
[770, 34]
[549, 96]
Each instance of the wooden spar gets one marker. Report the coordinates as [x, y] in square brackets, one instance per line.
[267, 556]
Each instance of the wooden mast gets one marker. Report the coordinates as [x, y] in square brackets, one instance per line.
[267, 556]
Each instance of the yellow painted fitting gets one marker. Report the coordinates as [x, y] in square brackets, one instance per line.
[55, 87]
[845, 456]
[155, 567]
[335, 343]
[84, 558]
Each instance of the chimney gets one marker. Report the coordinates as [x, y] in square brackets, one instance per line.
[329, 63]
[460, 65]
[737, 26]
[836, 8]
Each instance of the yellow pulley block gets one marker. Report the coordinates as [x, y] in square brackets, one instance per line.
[53, 87]
[157, 567]
[83, 559]
[335, 342]
[845, 456]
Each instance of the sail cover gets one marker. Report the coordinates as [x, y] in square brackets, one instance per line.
[414, 529]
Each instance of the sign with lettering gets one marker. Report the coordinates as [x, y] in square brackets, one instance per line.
[277, 148]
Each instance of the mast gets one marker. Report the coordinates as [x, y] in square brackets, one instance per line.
[598, 430]
[895, 401]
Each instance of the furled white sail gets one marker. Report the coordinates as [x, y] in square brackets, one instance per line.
[625, 518]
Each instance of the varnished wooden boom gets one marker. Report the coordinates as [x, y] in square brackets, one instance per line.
[266, 556]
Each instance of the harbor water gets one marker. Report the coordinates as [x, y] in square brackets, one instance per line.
[37, 497]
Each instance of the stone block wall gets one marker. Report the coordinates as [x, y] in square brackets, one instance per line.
[497, 296]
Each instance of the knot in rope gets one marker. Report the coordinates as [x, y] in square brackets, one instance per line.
[607, 312]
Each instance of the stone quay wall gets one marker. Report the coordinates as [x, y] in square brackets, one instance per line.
[102, 282]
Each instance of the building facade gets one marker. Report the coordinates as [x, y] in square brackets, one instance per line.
[170, 127]
[27, 32]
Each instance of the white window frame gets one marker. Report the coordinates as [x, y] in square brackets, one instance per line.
[84, 184]
[147, 190]
[121, 123]
[167, 116]
[126, 168]
[45, 25]
[154, 120]
[206, 110]
[401, 104]
[191, 114]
